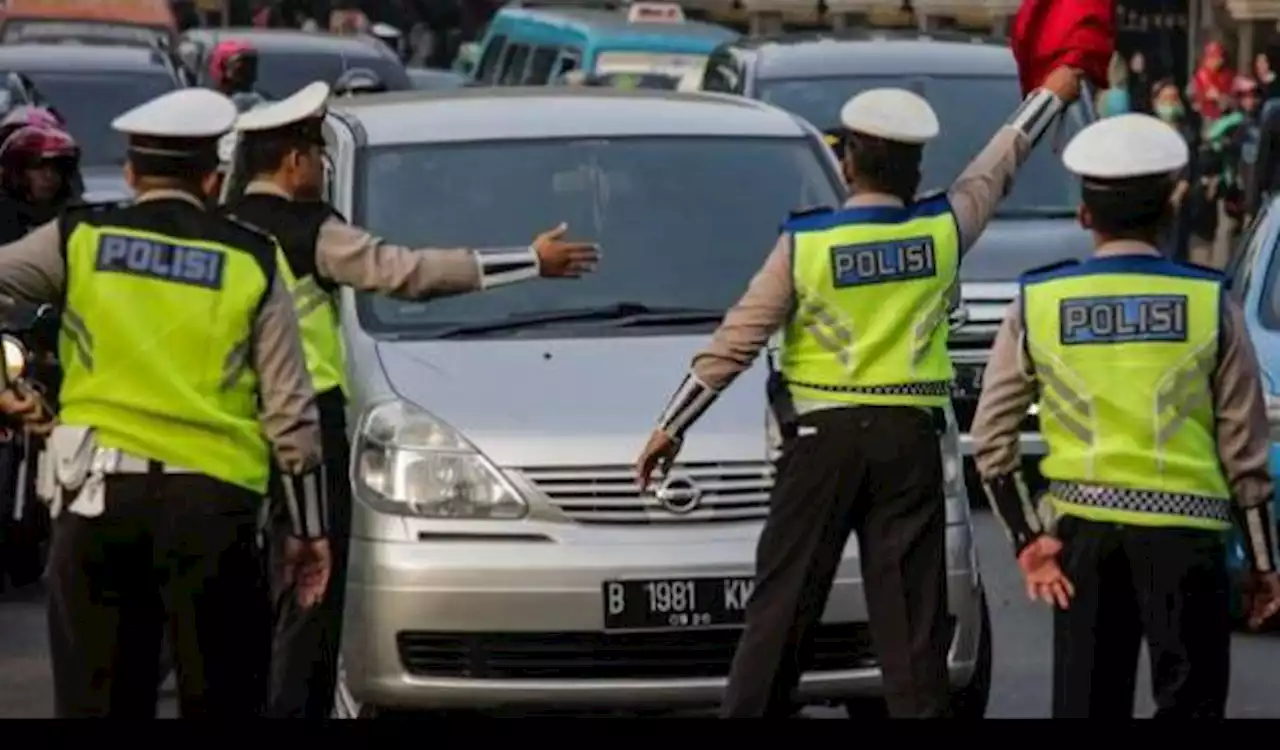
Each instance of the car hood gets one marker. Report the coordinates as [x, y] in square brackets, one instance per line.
[105, 184]
[581, 401]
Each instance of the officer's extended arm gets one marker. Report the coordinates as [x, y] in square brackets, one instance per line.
[1243, 437]
[745, 330]
[353, 257]
[1007, 390]
[977, 193]
[33, 269]
[289, 414]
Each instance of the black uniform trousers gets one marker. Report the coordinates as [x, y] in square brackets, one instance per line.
[307, 642]
[169, 552]
[874, 471]
[1167, 584]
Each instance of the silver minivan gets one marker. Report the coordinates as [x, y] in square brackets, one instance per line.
[503, 556]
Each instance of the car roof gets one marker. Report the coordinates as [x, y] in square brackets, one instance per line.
[606, 26]
[81, 57]
[293, 41]
[523, 113]
[871, 52]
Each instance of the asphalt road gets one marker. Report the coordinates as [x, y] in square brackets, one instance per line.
[1021, 631]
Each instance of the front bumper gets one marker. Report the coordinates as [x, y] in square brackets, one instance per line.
[492, 624]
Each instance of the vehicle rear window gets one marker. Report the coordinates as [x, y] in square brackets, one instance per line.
[682, 221]
[89, 101]
[281, 73]
[970, 110]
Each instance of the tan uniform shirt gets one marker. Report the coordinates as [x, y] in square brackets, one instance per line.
[33, 269]
[352, 257]
[770, 297]
[1008, 388]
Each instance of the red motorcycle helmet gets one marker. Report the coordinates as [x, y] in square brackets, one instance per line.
[233, 66]
[29, 115]
[32, 145]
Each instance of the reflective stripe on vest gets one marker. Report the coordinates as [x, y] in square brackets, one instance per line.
[873, 286]
[1124, 350]
[154, 344]
[318, 324]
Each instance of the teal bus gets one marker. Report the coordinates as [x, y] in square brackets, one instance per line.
[539, 46]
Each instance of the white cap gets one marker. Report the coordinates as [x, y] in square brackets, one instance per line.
[183, 113]
[892, 114]
[1124, 146]
[307, 103]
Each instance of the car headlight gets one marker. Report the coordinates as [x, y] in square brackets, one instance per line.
[411, 463]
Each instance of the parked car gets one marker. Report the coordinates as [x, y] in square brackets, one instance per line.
[289, 59]
[502, 553]
[23, 21]
[89, 86]
[973, 85]
[539, 46]
[1254, 280]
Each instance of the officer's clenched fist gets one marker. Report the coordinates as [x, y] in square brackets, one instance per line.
[559, 258]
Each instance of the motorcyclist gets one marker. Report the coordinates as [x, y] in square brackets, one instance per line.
[39, 176]
[233, 69]
[359, 81]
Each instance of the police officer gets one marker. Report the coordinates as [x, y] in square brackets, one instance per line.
[862, 294]
[1151, 405]
[280, 155]
[181, 348]
[358, 81]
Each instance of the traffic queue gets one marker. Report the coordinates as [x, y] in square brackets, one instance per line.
[200, 465]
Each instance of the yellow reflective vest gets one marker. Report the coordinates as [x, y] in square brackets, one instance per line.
[156, 334]
[1124, 349]
[873, 286]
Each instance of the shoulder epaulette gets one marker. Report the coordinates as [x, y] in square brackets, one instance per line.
[1038, 270]
[796, 218]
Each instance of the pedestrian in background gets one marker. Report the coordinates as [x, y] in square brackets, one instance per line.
[1114, 100]
[1139, 82]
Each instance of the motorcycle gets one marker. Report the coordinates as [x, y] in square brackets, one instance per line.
[28, 346]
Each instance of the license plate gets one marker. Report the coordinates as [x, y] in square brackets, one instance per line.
[676, 603]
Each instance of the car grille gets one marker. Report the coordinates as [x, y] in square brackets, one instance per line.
[731, 492]
[690, 653]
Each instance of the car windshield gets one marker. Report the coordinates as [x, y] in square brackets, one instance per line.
[89, 101]
[970, 109]
[281, 73]
[682, 222]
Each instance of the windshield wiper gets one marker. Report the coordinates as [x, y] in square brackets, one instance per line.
[621, 313]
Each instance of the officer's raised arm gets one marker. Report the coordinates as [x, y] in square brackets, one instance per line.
[1244, 442]
[352, 256]
[289, 415]
[1008, 388]
[32, 269]
[977, 192]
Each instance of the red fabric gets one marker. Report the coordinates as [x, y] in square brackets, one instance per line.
[1212, 81]
[1049, 34]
